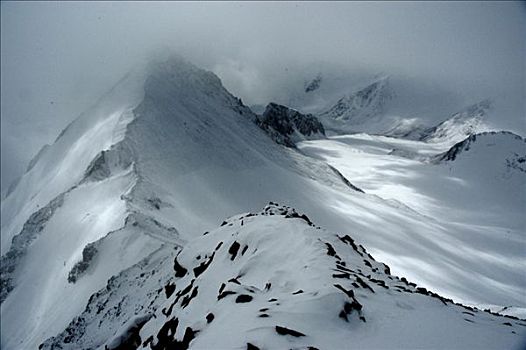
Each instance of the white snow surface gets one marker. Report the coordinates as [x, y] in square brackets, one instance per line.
[236, 284]
[475, 243]
[179, 154]
[469, 121]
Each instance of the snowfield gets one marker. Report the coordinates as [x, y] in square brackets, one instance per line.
[91, 231]
[476, 201]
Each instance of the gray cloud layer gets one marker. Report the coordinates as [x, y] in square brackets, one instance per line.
[59, 57]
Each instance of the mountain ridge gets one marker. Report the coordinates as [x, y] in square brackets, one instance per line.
[241, 259]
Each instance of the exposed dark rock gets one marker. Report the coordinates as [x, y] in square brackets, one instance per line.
[251, 347]
[185, 291]
[286, 331]
[330, 250]
[224, 294]
[348, 240]
[314, 84]
[286, 126]
[344, 179]
[169, 289]
[363, 284]
[294, 214]
[155, 202]
[233, 250]
[188, 298]
[243, 298]
[180, 271]
[348, 309]
[30, 231]
[349, 293]
[88, 253]
[130, 338]
[234, 280]
[203, 266]
[167, 337]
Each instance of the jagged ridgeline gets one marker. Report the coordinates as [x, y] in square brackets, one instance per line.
[276, 280]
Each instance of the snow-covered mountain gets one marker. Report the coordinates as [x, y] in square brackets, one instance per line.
[494, 163]
[360, 109]
[164, 156]
[276, 280]
[465, 123]
[168, 151]
[380, 109]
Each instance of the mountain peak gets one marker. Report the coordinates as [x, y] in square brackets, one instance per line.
[176, 76]
[468, 121]
[363, 105]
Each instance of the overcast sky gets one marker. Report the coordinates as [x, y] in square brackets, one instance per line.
[58, 58]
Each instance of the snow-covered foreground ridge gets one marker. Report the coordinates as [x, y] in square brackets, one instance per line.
[164, 156]
[276, 280]
[161, 157]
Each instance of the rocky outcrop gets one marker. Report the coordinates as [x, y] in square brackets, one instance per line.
[31, 230]
[314, 84]
[287, 126]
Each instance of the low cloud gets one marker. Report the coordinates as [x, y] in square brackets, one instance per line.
[59, 57]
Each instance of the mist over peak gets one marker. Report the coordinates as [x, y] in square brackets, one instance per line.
[259, 50]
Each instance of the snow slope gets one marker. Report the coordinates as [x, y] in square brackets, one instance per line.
[276, 280]
[460, 125]
[476, 202]
[363, 110]
[164, 157]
